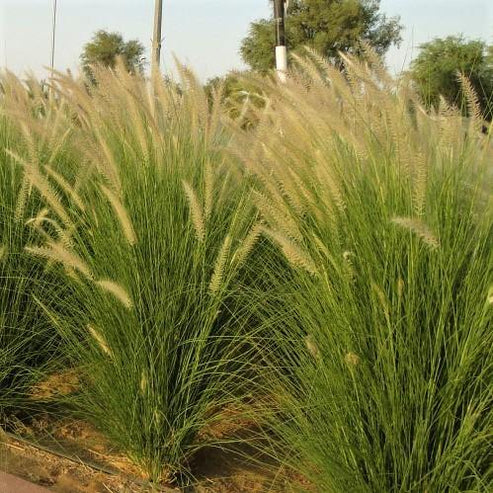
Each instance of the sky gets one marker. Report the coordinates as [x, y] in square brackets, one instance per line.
[205, 34]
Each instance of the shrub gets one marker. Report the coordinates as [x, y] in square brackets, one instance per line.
[152, 243]
[382, 348]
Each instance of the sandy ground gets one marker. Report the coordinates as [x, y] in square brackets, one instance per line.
[71, 457]
[216, 471]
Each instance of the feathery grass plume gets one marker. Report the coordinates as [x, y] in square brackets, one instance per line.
[24, 192]
[196, 211]
[219, 266]
[66, 187]
[37, 180]
[117, 291]
[121, 214]
[64, 235]
[275, 213]
[248, 244]
[352, 359]
[489, 298]
[400, 288]
[96, 335]
[312, 346]
[473, 104]
[144, 382]
[3, 252]
[420, 176]
[58, 253]
[296, 254]
[420, 229]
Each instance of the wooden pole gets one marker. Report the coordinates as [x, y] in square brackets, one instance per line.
[156, 40]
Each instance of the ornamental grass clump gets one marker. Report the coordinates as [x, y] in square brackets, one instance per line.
[152, 243]
[28, 344]
[382, 347]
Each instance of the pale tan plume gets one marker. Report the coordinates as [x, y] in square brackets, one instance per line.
[219, 267]
[101, 341]
[37, 180]
[117, 291]
[196, 211]
[294, 253]
[121, 214]
[58, 253]
[420, 229]
[66, 187]
[248, 243]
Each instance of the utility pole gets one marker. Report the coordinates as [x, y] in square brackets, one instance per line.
[156, 40]
[53, 37]
[280, 7]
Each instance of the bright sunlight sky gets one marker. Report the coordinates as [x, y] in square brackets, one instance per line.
[205, 34]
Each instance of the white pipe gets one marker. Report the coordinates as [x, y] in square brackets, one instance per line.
[282, 62]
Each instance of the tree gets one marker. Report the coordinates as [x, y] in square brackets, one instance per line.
[328, 26]
[435, 71]
[239, 94]
[105, 48]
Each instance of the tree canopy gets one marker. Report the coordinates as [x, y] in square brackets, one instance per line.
[106, 47]
[435, 71]
[328, 26]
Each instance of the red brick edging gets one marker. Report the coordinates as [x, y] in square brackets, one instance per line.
[12, 484]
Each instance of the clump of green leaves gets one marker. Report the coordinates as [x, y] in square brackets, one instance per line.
[106, 48]
[437, 67]
[328, 26]
[152, 243]
[382, 348]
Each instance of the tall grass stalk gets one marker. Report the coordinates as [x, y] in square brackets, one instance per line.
[382, 348]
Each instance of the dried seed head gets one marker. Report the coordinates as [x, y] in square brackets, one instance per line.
[121, 214]
[420, 229]
[400, 288]
[489, 298]
[143, 382]
[248, 244]
[218, 273]
[100, 340]
[3, 252]
[347, 255]
[157, 417]
[58, 253]
[311, 346]
[196, 211]
[117, 291]
[352, 359]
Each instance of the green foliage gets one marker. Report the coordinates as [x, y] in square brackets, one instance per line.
[327, 26]
[152, 243]
[382, 342]
[28, 343]
[342, 279]
[435, 71]
[240, 95]
[106, 48]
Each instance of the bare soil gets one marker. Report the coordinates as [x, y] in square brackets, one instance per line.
[68, 456]
[84, 462]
